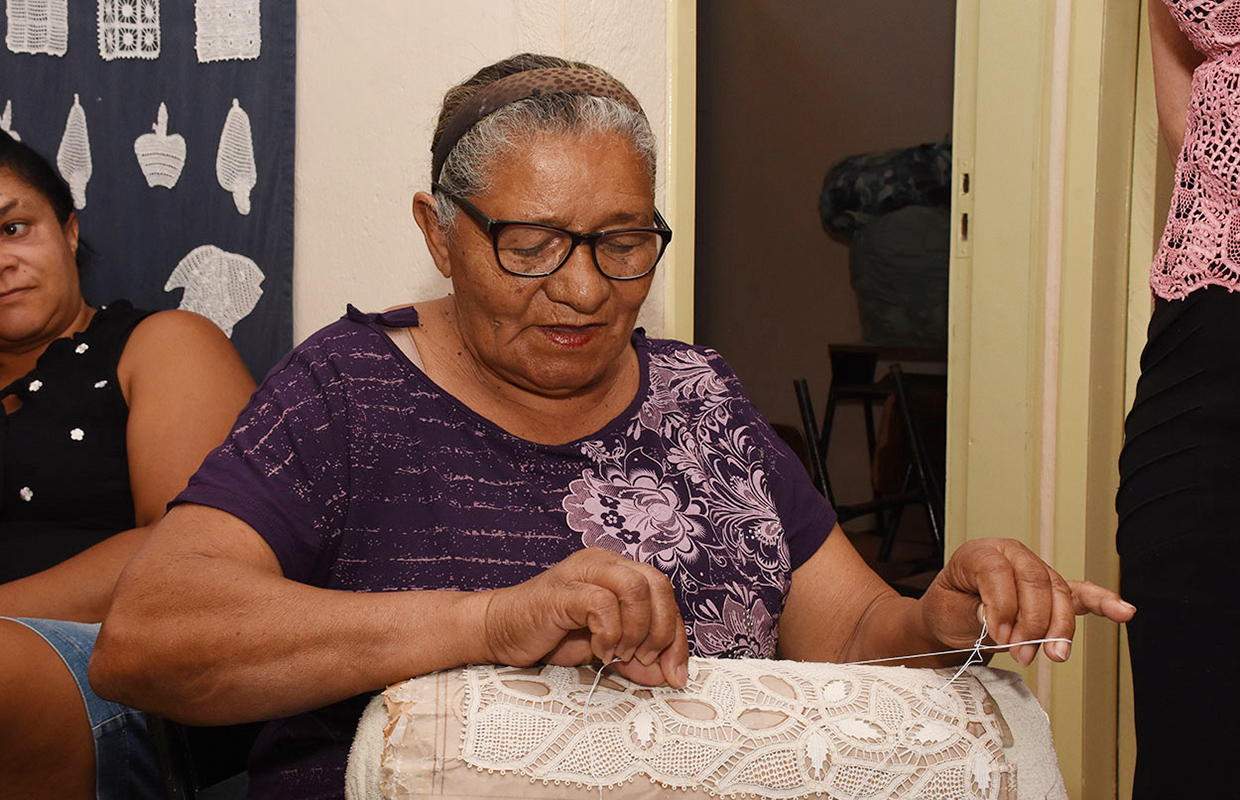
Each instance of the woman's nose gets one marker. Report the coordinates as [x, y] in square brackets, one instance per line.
[578, 283]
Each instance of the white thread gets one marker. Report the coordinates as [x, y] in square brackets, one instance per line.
[975, 657]
[973, 649]
[585, 723]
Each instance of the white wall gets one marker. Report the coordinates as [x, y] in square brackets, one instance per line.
[370, 76]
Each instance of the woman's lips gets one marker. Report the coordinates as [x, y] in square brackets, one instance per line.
[12, 294]
[571, 336]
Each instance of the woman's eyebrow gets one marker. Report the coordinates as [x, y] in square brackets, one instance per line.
[7, 207]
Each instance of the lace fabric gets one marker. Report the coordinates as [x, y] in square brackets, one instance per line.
[128, 29]
[227, 30]
[161, 155]
[742, 728]
[73, 156]
[1200, 243]
[234, 159]
[37, 26]
[222, 286]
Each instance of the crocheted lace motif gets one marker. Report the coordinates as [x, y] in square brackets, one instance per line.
[73, 155]
[743, 727]
[227, 29]
[160, 155]
[128, 29]
[38, 26]
[6, 121]
[1201, 241]
[234, 160]
[222, 286]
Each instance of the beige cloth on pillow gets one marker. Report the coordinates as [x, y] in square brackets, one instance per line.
[741, 728]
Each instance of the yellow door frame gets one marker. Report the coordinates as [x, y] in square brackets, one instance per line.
[1038, 344]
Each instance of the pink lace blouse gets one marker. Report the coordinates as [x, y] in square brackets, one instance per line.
[1201, 242]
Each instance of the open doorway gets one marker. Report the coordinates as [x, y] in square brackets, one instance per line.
[787, 91]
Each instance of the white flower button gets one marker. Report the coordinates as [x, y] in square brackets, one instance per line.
[77, 434]
[26, 494]
[81, 348]
[35, 386]
[100, 384]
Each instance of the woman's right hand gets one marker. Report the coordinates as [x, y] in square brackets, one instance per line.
[595, 604]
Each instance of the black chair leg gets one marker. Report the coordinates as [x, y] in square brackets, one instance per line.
[810, 427]
[926, 475]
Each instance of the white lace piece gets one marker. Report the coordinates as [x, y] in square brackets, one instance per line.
[73, 156]
[234, 160]
[6, 121]
[128, 29]
[38, 26]
[227, 29]
[222, 286]
[160, 155]
[743, 727]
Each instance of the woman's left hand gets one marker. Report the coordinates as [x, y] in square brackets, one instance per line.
[1021, 596]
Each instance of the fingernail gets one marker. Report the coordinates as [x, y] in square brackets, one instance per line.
[646, 657]
[1062, 650]
[682, 675]
[1025, 653]
[1128, 605]
[1005, 634]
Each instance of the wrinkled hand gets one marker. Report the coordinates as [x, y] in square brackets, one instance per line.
[1021, 596]
[595, 604]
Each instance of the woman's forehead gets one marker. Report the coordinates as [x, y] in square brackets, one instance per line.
[542, 161]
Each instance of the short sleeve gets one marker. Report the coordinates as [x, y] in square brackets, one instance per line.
[283, 469]
[806, 515]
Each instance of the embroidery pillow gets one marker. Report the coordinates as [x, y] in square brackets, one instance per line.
[741, 728]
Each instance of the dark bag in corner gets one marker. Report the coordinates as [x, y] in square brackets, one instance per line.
[899, 268]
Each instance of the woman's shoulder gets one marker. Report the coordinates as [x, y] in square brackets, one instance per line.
[165, 344]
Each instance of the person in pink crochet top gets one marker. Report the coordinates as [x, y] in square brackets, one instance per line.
[1179, 493]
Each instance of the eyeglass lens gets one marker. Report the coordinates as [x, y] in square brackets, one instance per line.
[530, 250]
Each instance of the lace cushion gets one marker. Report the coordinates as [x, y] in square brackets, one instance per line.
[742, 728]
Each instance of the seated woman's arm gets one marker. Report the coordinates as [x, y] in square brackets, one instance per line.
[839, 610]
[184, 384]
[205, 629]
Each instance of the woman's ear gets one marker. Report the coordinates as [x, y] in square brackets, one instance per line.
[71, 233]
[426, 213]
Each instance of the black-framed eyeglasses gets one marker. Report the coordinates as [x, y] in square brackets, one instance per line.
[534, 250]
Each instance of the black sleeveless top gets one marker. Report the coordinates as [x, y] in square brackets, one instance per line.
[65, 483]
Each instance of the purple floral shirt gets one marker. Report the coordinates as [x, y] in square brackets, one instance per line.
[362, 475]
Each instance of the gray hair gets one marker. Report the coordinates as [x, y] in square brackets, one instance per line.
[467, 169]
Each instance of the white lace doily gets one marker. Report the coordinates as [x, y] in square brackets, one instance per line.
[234, 160]
[222, 286]
[742, 727]
[128, 29]
[161, 155]
[227, 29]
[770, 729]
[73, 156]
[37, 26]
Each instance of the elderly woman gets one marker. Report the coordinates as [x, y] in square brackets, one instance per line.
[513, 474]
[107, 412]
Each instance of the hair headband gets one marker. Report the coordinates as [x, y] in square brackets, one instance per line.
[520, 86]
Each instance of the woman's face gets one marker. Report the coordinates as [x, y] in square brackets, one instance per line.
[566, 332]
[40, 297]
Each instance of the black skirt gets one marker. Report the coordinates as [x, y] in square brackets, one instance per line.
[1179, 545]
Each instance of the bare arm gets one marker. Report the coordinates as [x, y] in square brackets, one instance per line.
[184, 385]
[1174, 60]
[839, 610]
[205, 629]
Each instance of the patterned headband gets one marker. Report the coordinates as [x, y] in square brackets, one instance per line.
[519, 86]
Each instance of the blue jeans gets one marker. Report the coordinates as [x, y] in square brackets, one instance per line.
[124, 758]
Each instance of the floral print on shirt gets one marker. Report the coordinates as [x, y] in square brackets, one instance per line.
[695, 508]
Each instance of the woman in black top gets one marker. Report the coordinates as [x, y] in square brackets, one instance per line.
[107, 412]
